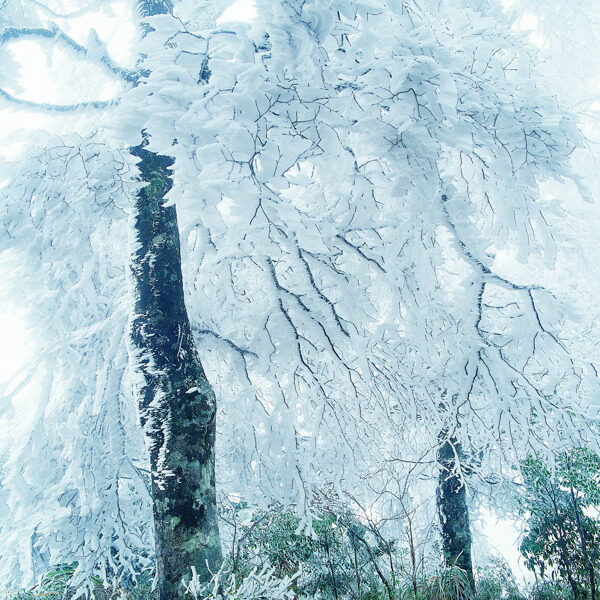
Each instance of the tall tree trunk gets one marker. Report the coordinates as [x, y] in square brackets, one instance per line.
[176, 404]
[453, 511]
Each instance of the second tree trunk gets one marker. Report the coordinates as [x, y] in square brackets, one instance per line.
[453, 511]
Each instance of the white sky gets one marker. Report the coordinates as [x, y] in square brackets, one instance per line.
[503, 536]
[241, 10]
[15, 343]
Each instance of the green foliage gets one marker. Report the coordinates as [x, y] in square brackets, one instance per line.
[449, 584]
[344, 557]
[497, 582]
[56, 585]
[551, 590]
[562, 540]
[339, 558]
[273, 555]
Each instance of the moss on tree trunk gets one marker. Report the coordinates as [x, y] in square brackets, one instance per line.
[453, 511]
[176, 403]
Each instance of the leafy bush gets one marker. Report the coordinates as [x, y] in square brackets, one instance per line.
[271, 557]
[449, 584]
[561, 539]
[551, 590]
[497, 582]
[339, 558]
[56, 585]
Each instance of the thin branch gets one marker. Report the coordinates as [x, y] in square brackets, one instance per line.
[12, 34]
[45, 106]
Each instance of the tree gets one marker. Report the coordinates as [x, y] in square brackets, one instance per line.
[498, 323]
[342, 557]
[453, 510]
[332, 315]
[177, 405]
[560, 536]
[279, 140]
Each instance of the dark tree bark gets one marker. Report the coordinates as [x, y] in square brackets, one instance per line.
[453, 511]
[176, 404]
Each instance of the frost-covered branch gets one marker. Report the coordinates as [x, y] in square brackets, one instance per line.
[55, 34]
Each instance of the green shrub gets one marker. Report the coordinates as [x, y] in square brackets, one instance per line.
[562, 538]
[551, 590]
[56, 585]
[336, 559]
[497, 582]
[449, 584]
